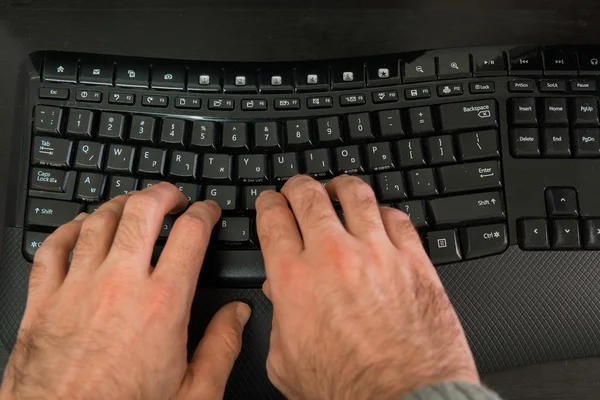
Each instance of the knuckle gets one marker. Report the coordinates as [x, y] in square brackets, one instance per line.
[142, 202]
[360, 192]
[132, 231]
[194, 224]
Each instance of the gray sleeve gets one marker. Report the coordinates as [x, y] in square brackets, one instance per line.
[453, 391]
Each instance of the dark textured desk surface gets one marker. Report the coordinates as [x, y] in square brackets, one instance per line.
[299, 30]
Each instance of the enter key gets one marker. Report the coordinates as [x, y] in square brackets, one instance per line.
[470, 177]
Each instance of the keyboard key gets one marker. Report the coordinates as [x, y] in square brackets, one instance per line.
[385, 96]
[591, 234]
[50, 213]
[481, 241]
[121, 98]
[90, 187]
[204, 135]
[234, 230]
[450, 90]
[266, 136]
[478, 145]
[561, 202]
[60, 68]
[318, 163]
[287, 104]
[155, 101]
[235, 137]
[421, 69]
[533, 234]
[523, 112]
[421, 182]
[240, 81]
[112, 127]
[556, 142]
[172, 133]
[417, 93]
[168, 77]
[328, 131]
[586, 142]
[285, 166]
[585, 111]
[489, 63]
[379, 157]
[390, 124]
[121, 185]
[466, 208]
[470, 115]
[415, 211]
[410, 153]
[525, 61]
[383, 72]
[91, 96]
[89, 156]
[48, 120]
[553, 86]
[183, 165]
[190, 103]
[147, 183]
[189, 190]
[221, 104]
[252, 168]
[440, 150]
[319, 102]
[560, 62]
[555, 112]
[454, 65]
[46, 179]
[224, 196]
[312, 78]
[120, 159]
[354, 99]
[443, 247]
[525, 142]
[32, 241]
[152, 162]
[565, 234]
[470, 177]
[359, 127]
[481, 87]
[421, 120]
[348, 76]
[254, 105]
[80, 124]
[390, 186]
[96, 72]
[142, 130]
[298, 134]
[133, 75]
[251, 193]
[52, 152]
[217, 168]
[204, 78]
[521, 86]
[586, 85]
[348, 160]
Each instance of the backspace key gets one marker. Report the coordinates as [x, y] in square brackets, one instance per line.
[468, 115]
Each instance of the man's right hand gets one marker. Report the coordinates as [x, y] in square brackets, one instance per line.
[359, 311]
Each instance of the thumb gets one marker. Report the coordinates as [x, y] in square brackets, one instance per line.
[219, 348]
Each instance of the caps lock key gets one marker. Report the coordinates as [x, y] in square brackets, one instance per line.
[470, 115]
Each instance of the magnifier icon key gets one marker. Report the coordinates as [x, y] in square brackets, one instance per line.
[419, 69]
[454, 65]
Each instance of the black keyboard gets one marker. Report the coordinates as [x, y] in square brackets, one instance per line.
[482, 148]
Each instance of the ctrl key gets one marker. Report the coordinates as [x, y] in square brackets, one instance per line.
[50, 213]
[481, 241]
[32, 241]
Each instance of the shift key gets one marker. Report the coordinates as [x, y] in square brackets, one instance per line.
[467, 208]
[50, 213]
[470, 177]
[469, 115]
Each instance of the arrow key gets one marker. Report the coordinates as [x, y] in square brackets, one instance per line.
[565, 234]
[533, 234]
[591, 234]
[561, 202]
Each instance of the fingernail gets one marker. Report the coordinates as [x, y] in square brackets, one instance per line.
[81, 216]
[243, 312]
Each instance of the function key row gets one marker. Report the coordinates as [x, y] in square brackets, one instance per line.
[551, 85]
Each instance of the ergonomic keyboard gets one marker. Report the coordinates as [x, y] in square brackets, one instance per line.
[482, 147]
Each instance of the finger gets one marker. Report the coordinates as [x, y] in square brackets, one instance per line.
[219, 348]
[400, 230]
[51, 261]
[312, 208]
[181, 260]
[277, 230]
[97, 234]
[266, 288]
[361, 211]
[141, 223]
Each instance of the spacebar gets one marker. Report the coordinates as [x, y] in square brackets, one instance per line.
[236, 268]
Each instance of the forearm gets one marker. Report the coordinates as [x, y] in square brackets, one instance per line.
[453, 391]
